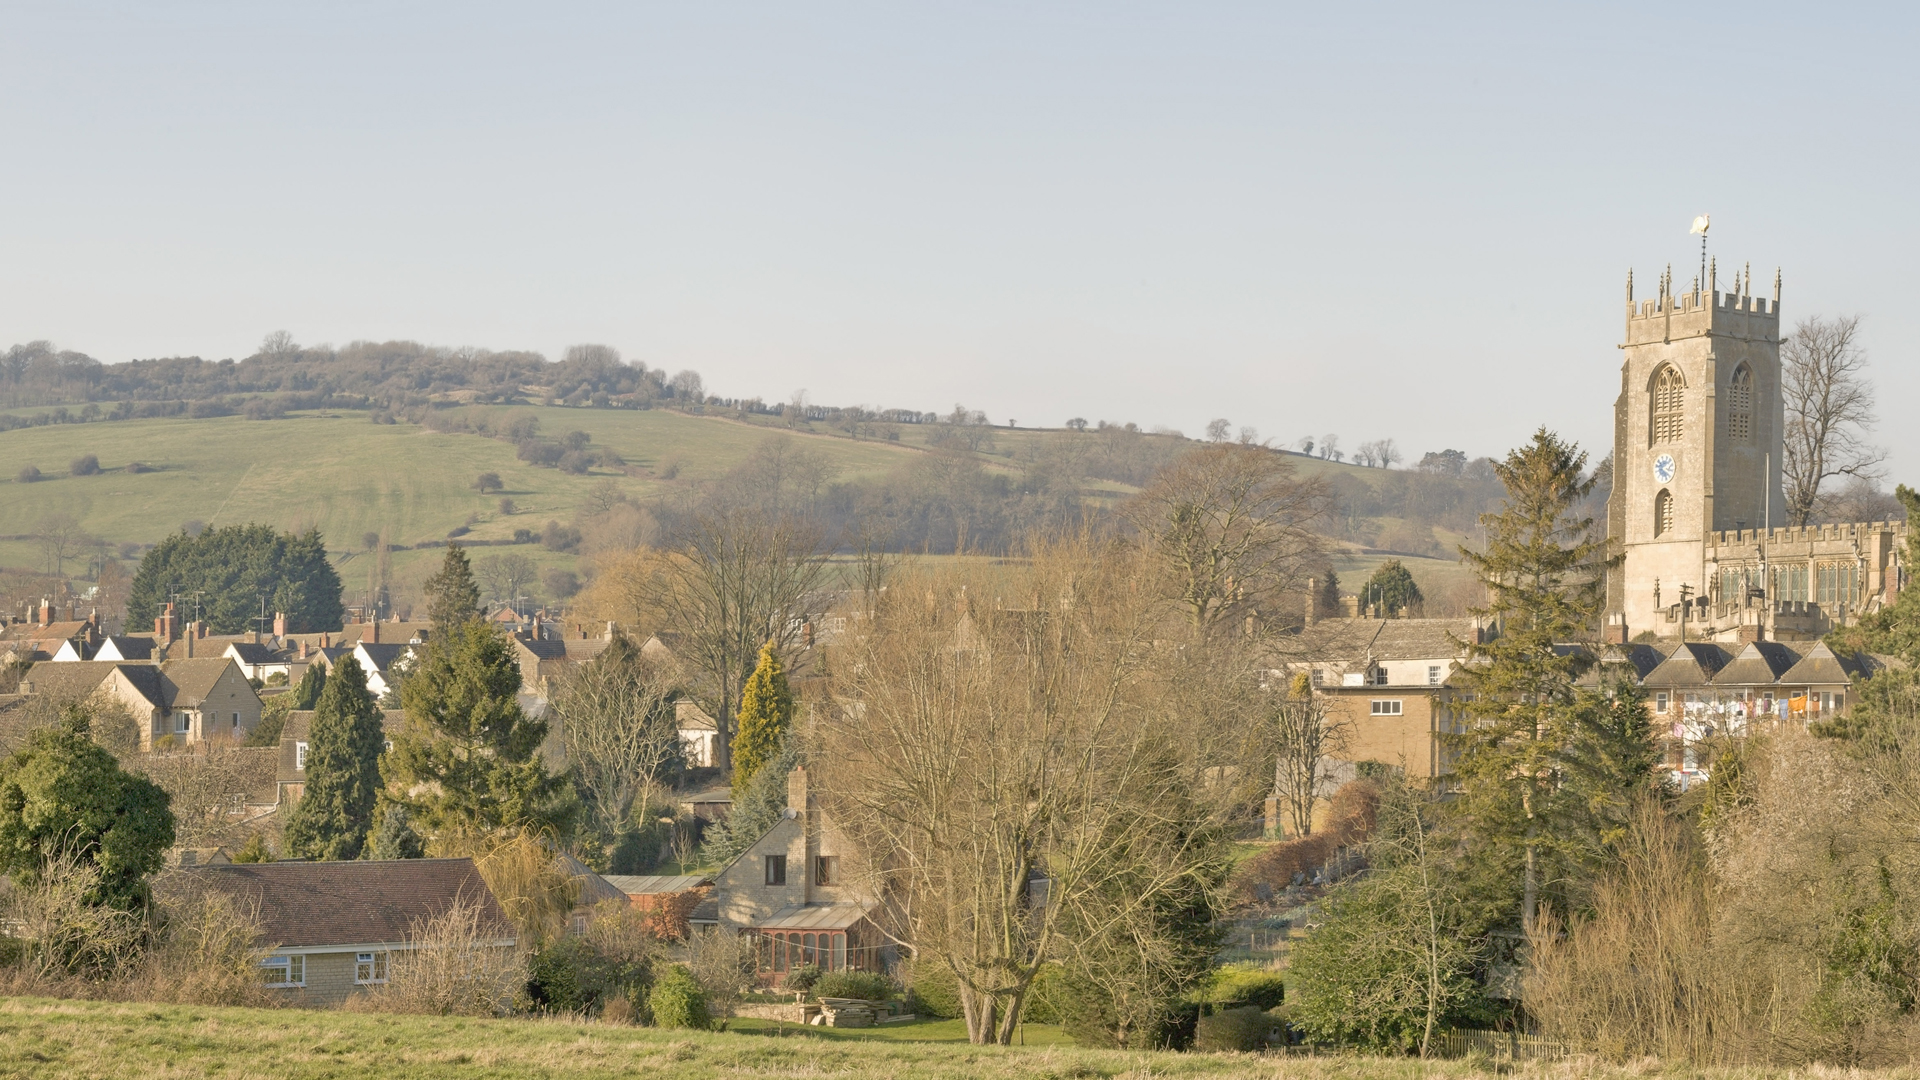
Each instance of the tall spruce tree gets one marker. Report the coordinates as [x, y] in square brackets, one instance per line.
[766, 714]
[453, 597]
[306, 693]
[468, 760]
[1544, 572]
[335, 811]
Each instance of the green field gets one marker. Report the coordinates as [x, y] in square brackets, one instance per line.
[349, 477]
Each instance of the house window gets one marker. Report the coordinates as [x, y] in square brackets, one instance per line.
[1319, 676]
[1660, 702]
[776, 869]
[826, 870]
[284, 970]
[182, 722]
[1380, 676]
[236, 719]
[1433, 674]
[1386, 707]
[299, 756]
[370, 967]
[1669, 405]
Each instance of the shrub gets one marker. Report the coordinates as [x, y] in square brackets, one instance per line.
[801, 978]
[139, 467]
[506, 507]
[487, 481]
[575, 462]
[1243, 984]
[1245, 1028]
[932, 989]
[678, 1002]
[452, 970]
[85, 465]
[28, 474]
[864, 985]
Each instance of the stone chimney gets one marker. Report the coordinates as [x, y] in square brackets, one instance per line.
[1313, 594]
[303, 648]
[193, 631]
[46, 612]
[371, 635]
[279, 624]
[609, 629]
[536, 627]
[797, 788]
[164, 630]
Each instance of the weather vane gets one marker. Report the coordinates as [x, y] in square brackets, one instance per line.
[1700, 225]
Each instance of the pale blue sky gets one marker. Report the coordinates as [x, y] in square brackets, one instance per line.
[1372, 220]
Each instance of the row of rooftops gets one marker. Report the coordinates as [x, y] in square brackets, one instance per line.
[1408, 650]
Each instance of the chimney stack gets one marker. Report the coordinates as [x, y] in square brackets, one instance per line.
[46, 612]
[372, 634]
[1313, 594]
[797, 788]
[609, 629]
[193, 631]
[163, 626]
[279, 624]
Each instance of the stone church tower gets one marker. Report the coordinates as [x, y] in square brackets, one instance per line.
[1696, 507]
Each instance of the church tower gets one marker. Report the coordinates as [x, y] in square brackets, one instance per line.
[1697, 434]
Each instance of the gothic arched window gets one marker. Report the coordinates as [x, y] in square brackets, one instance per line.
[1669, 403]
[1740, 404]
[1663, 513]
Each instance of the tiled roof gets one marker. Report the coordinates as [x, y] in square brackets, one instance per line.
[705, 912]
[73, 679]
[130, 646]
[253, 652]
[1354, 640]
[194, 679]
[146, 681]
[321, 904]
[383, 655]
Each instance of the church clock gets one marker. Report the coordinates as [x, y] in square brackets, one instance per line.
[1663, 469]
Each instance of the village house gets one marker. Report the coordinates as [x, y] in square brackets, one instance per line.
[800, 892]
[186, 700]
[333, 927]
[291, 775]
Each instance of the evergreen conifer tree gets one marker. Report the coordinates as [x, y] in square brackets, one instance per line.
[395, 838]
[335, 811]
[1544, 570]
[453, 597]
[469, 757]
[766, 714]
[306, 693]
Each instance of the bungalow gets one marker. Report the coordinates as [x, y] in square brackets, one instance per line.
[332, 926]
[799, 891]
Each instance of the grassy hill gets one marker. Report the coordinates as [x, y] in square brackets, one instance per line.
[349, 477]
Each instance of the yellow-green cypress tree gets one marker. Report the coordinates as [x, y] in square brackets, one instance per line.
[766, 712]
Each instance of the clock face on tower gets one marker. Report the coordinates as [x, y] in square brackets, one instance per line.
[1663, 469]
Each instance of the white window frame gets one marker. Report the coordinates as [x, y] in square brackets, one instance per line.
[236, 720]
[292, 966]
[182, 722]
[1386, 707]
[1433, 674]
[370, 968]
[299, 756]
[1379, 675]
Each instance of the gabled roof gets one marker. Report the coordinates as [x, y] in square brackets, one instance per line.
[193, 679]
[299, 722]
[1761, 663]
[254, 653]
[382, 655]
[126, 647]
[1818, 667]
[320, 904]
[594, 889]
[1354, 640]
[146, 681]
[69, 680]
[1691, 664]
[689, 716]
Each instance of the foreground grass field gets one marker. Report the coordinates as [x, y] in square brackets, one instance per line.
[57, 1039]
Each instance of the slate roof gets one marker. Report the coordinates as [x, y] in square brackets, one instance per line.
[383, 655]
[129, 646]
[653, 884]
[1354, 640]
[254, 653]
[1819, 666]
[1760, 663]
[314, 905]
[1691, 664]
[146, 681]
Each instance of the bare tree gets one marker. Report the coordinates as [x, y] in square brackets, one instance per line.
[1016, 782]
[1305, 739]
[738, 576]
[1231, 528]
[60, 538]
[615, 716]
[1829, 408]
[504, 576]
[1330, 448]
[1218, 430]
[278, 343]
